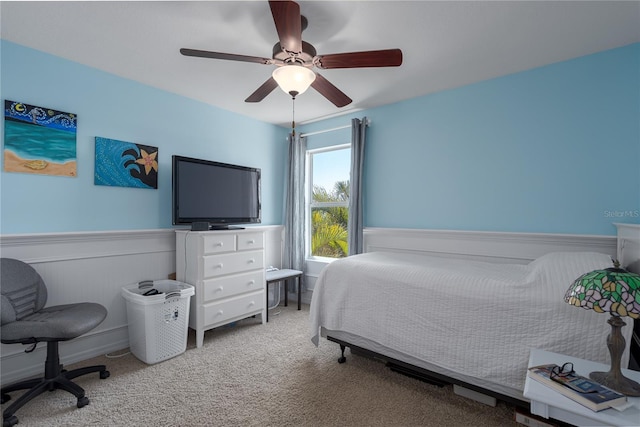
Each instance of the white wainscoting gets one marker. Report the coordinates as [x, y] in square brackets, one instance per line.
[501, 247]
[94, 266]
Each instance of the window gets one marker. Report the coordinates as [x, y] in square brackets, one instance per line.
[328, 201]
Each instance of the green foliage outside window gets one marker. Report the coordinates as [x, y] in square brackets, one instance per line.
[329, 223]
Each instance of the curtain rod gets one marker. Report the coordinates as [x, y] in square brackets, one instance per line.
[330, 130]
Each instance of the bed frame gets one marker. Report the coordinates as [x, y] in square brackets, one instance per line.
[493, 247]
[421, 374]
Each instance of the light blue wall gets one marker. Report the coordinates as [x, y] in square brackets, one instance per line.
[554, 149]
[117, 108]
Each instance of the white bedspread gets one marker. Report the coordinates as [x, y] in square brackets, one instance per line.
[474, 318]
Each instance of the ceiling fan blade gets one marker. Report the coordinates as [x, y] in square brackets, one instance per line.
[329, 91]
[286, 16]
[370, 58]
[228, 56]
[264, 90]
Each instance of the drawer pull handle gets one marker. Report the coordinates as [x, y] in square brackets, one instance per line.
[220, 265]
[251, 261]
[220, 312]
[220, 244]
[251, 282]
[251, 242]
[252, 303]
[220, 289]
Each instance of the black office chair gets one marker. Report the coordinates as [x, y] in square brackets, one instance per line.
[25, 321]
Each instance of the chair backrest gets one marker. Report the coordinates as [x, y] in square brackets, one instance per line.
[22, 289]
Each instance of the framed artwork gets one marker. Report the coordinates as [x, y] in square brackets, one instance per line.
[39, 140]
[125, 164]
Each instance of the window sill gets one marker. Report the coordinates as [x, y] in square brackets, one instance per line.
[322, 259]
[314, 265]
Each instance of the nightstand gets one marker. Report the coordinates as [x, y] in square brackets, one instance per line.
[548, 403]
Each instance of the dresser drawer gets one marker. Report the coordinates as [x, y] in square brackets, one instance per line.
[219, 312]
[216, 243]
[228, 286]
[250, 241]
[220, 265]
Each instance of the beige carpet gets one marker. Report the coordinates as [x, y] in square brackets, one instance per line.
[258, 375]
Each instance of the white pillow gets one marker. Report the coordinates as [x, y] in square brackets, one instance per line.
[566, 267]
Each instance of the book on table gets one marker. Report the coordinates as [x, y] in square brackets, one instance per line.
[583, 390]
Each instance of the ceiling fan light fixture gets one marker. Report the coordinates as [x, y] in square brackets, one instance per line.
[293, 78]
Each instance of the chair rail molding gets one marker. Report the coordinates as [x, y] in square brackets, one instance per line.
[503, 247]
[51, 247]
[497, 247]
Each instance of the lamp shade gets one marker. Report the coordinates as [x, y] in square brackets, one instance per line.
[293, 79]
[612, 290]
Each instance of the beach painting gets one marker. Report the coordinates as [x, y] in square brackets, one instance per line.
[125, 164]
[39, 140]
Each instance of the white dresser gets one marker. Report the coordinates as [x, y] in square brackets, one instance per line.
[227, 270]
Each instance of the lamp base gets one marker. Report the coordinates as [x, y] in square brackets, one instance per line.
[614, 378]
[619, 383]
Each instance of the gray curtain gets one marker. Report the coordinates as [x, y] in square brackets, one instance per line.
[295, 209]
[355, 223]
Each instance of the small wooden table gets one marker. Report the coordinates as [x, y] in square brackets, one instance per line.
[276, 276]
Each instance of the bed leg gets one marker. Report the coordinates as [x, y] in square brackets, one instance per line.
[342, 359]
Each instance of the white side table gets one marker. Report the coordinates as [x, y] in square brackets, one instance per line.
[275, 276]
[548, 403]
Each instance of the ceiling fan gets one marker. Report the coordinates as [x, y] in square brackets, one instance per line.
[295, 59]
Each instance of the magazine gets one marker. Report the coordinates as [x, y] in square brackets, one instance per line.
[581, 389]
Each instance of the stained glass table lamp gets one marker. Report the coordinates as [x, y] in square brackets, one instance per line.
[615, 291]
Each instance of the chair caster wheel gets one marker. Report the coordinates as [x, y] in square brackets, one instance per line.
[82, 401]
[342, 359]
[10, 422]
[104, 374]
[5, 398]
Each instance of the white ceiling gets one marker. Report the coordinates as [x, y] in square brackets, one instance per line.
[445, 44]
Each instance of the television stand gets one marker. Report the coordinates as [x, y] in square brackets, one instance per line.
[227, 269]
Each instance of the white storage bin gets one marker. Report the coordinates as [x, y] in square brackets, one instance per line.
[157, 323]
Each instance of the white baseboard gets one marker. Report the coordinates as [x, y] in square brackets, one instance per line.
[474, 395]
[17, 365]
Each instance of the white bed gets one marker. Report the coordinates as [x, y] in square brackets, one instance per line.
[468, 322]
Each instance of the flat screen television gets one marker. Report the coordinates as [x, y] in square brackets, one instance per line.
[214, 195]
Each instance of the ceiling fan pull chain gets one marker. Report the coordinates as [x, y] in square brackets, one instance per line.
[293, 116]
